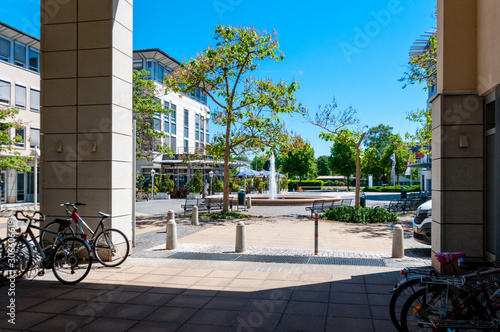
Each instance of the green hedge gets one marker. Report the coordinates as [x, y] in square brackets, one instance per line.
[331, 183]
[292, 184]
[392, 188]
[362, 215]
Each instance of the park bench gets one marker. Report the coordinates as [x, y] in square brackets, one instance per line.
[404, 205]
[208, 205]
[320, 205]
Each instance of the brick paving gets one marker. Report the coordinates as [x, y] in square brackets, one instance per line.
[175, 294]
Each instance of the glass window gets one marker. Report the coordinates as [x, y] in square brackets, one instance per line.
[186, 132]
[4, 92]
[173, 144]
[206, 124]
[138, 65]
[157, 124]
[20, 96]
[201, 137]
[35, 137]
[20, 136]
[167, 71]
[490, 116]
[203, 97]
[35, 100]
[20, 55]
[197, 94]
[197, 135]
[151, 68]
[34, 60]
[173, 112]
[172, 129]
[165, 126]
[208, 138]
[186, 146]
[4, 49]
[202, 124]
[186, 118]
[161, 73]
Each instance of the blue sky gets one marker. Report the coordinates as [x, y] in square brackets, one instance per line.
[353, 50]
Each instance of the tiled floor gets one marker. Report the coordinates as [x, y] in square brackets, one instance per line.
[146, 298]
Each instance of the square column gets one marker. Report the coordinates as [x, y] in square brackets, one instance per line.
[86, 115]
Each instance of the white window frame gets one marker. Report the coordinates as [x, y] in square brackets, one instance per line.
[37, 70]
[10, 49]
[34, 128]
[22, 144]
[26, 55]
[31, 101]
[2, 83]
[16, 101]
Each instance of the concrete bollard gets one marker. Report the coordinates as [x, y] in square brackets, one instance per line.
[241, 237]
[194, 217]
[398, 250]
[249, 202]
[170, 215]
[171, 235]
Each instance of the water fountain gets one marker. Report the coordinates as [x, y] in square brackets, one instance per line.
[272, 179]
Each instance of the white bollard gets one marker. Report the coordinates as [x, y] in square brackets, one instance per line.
[194, 217]
[398, 250]
[249, 202]
[241, 237]
[170, 215]
[171, 235]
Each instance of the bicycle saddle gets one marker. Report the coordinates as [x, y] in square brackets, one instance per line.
[104, 215]
[469, 265]
[449, 257]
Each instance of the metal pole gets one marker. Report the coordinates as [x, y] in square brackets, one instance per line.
[211, 189]
[35, 184]
[134, 142]
[315, 233]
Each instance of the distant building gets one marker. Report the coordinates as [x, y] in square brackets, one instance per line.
[20, 88]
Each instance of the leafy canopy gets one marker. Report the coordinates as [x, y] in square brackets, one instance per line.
[146, 105]
[11, 159]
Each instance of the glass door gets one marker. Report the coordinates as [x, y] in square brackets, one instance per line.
[21, 186]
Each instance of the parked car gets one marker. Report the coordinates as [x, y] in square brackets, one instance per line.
[422, 223]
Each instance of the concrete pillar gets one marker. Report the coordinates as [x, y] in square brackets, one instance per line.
[86, 100]
[249, 202]
[171, 235]
[194, 216]
[241, 237]
[398, 250]
[457, 134]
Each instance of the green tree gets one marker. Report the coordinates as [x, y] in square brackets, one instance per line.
[145, 104]
[342, 126]
[322, 166]
[299, 161]
[342, 160]
[195, 184]
[248, 108]
[258, 162]
[377, 140]
[401, 152]
[422, 68]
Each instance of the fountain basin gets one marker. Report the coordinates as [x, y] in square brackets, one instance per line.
[281, 199]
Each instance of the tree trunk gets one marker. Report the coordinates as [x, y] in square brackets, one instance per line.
[347, 181]
[227, 191]
[358, 175]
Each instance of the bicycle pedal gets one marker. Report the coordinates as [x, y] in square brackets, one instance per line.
[41, 273]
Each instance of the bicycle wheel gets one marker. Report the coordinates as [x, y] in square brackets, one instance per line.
[16, 257]
[71, 260]
[400, 296]
[48, 239]
[433, 305]
[111, 247]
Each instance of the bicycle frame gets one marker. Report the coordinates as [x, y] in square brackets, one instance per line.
[79, 222]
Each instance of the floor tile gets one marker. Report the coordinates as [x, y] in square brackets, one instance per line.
[214, 317]
[299, 295]
[63, 322]
[194, 273]
[55, 306]
[383, 326]
[146, 326]
[351, 298]
[226, 303]
[307, 308]
[24, 320]
[349, 310]
[338, 287]
[188, 301]
[349, 324]
[131, 311]
[254, 320]
[171, 315]
[294, 322]
[265, 306]
[152, 299]
[109, 324]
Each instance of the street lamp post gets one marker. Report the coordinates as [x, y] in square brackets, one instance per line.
[35, 152]
[261, 175]
[297, 178]
[211, 174]
[152, 183]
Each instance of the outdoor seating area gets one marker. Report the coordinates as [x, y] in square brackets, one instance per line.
[408, 204]
[204, 204]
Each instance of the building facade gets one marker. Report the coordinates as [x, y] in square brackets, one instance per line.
[187, 124]
[465, 147]
[20, 89]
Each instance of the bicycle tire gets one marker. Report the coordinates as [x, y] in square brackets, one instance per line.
[71, 260]
[48, 239]
[427, 305]
[23, 256]
[400, 296]
[111, 247]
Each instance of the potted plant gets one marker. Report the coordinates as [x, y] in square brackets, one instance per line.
[195, 185]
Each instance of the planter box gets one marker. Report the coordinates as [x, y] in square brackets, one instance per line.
[162, 196]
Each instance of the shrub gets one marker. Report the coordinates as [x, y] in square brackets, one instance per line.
[195, 184]
[225, 215]
[363, 215]
[391, 188]
[167, 184]
[284, 183]
[217, 185]
[139, 181]
[233, 184]
[292, 184]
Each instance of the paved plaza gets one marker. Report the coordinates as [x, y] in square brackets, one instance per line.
[276, 285]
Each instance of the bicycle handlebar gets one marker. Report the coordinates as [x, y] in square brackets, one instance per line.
[29, 218]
